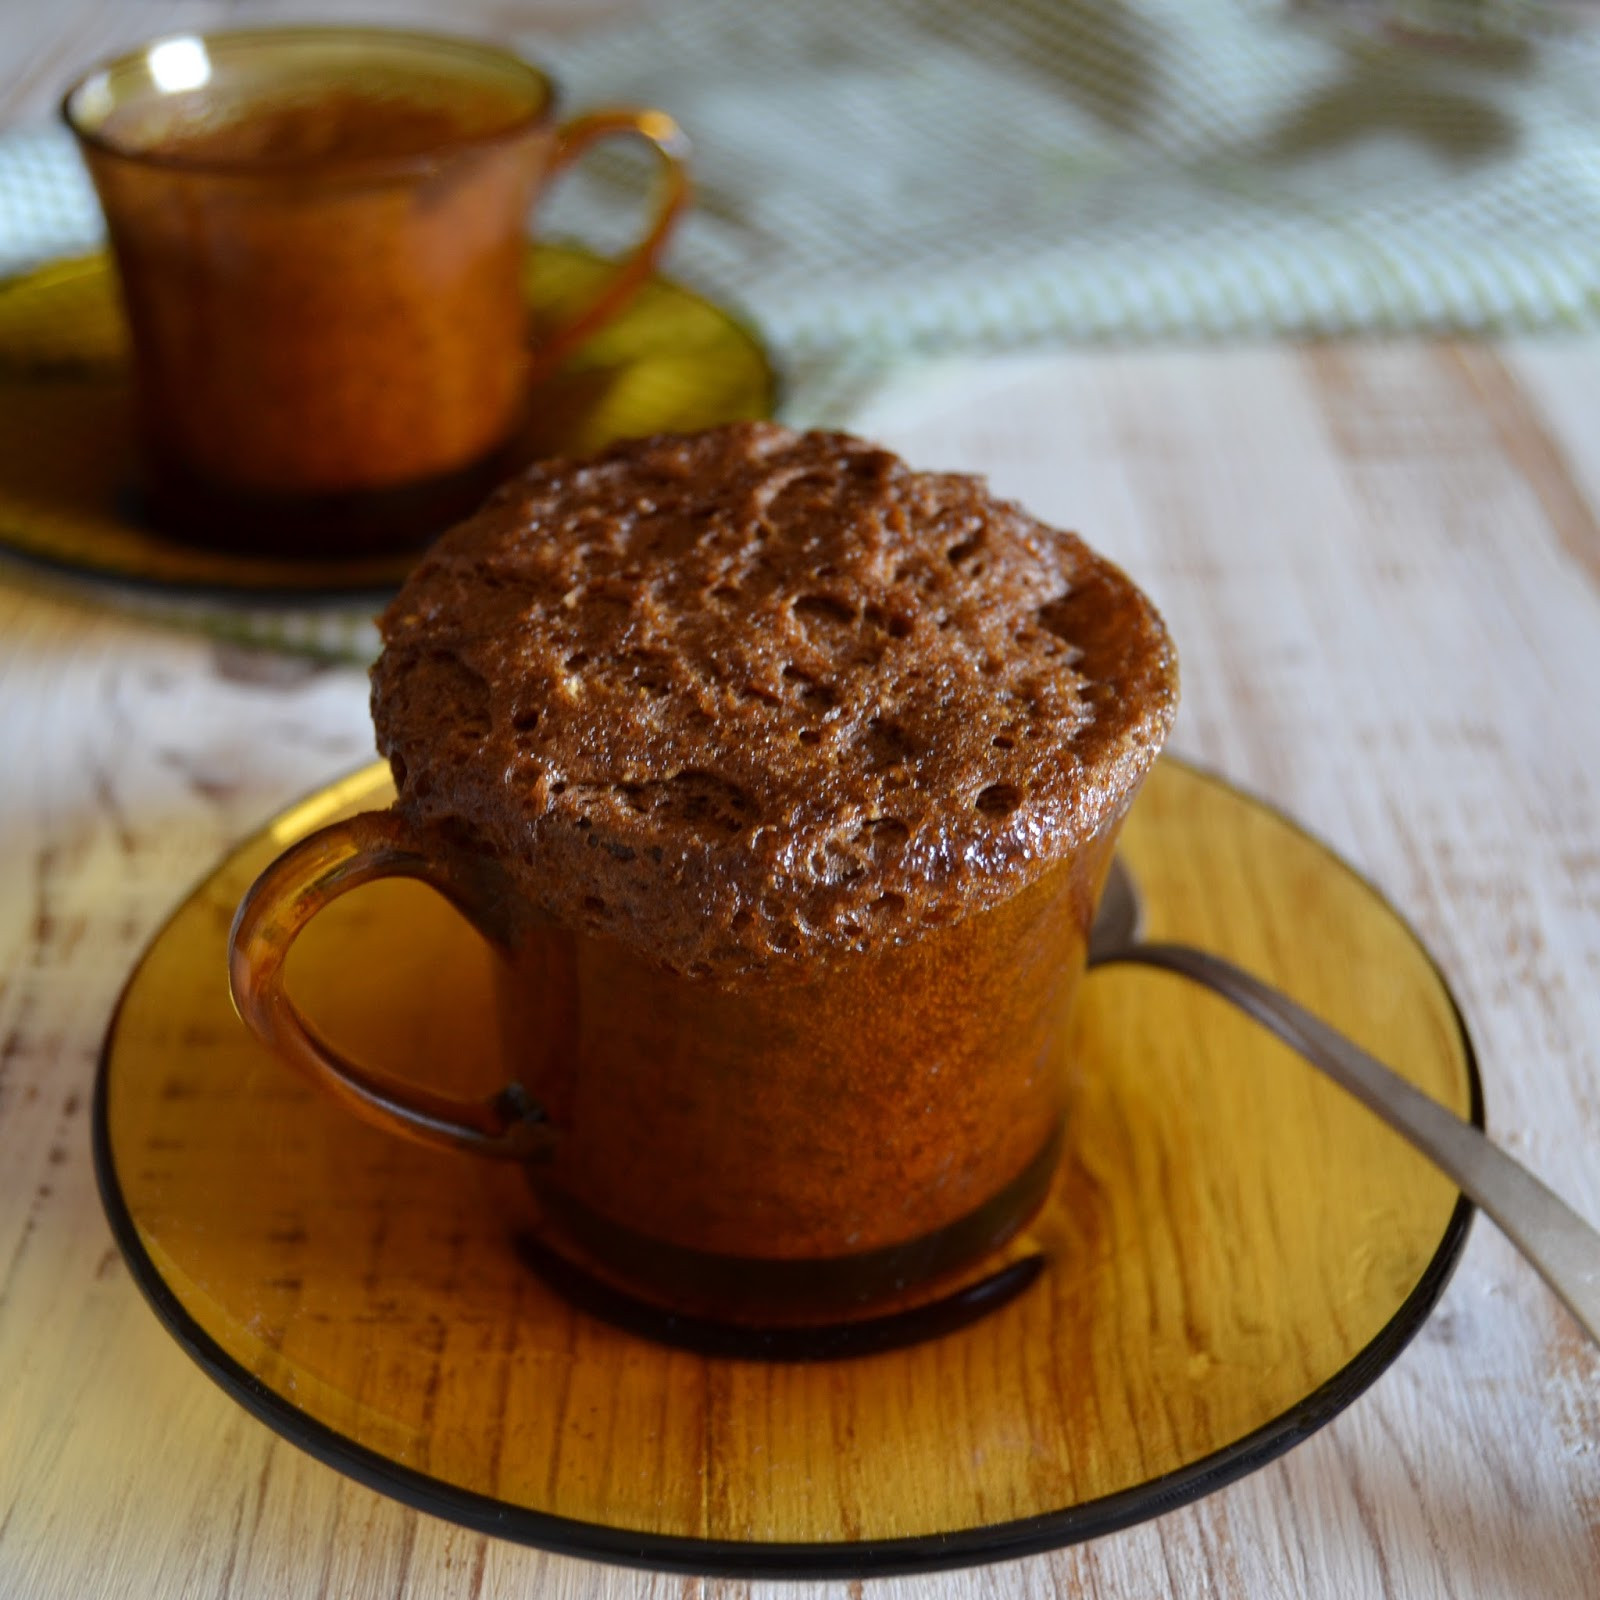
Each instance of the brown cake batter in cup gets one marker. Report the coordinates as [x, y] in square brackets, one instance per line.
[785, 778]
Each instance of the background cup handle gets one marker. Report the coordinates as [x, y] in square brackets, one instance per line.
[301, 882]
[629, 274]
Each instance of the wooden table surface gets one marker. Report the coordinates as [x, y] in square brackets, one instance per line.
[1382, 565]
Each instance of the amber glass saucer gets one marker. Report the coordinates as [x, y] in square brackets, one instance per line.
[69, 494]
[1234, 1250]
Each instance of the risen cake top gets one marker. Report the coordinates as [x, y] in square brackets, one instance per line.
[751, 697]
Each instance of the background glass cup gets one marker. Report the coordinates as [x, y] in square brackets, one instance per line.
[320, 235]
[770, 1151]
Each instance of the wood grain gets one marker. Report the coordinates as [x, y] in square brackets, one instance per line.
[1378, 563]
[1383, 636]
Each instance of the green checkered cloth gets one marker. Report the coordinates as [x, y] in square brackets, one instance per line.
[883, 181]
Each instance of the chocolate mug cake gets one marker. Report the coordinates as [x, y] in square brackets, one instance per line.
[785, 779]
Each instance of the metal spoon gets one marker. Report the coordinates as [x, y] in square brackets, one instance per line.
[1561, 1245]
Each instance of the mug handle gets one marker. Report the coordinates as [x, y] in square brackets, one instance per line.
[628, 276]
[309, 876]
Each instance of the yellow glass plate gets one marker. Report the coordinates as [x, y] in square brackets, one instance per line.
[1235, 1250]
[672, 361]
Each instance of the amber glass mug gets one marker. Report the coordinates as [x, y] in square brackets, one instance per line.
[775, 1150]
[320, 235]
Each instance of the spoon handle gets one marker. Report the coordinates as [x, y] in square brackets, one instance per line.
[1561, 1245]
